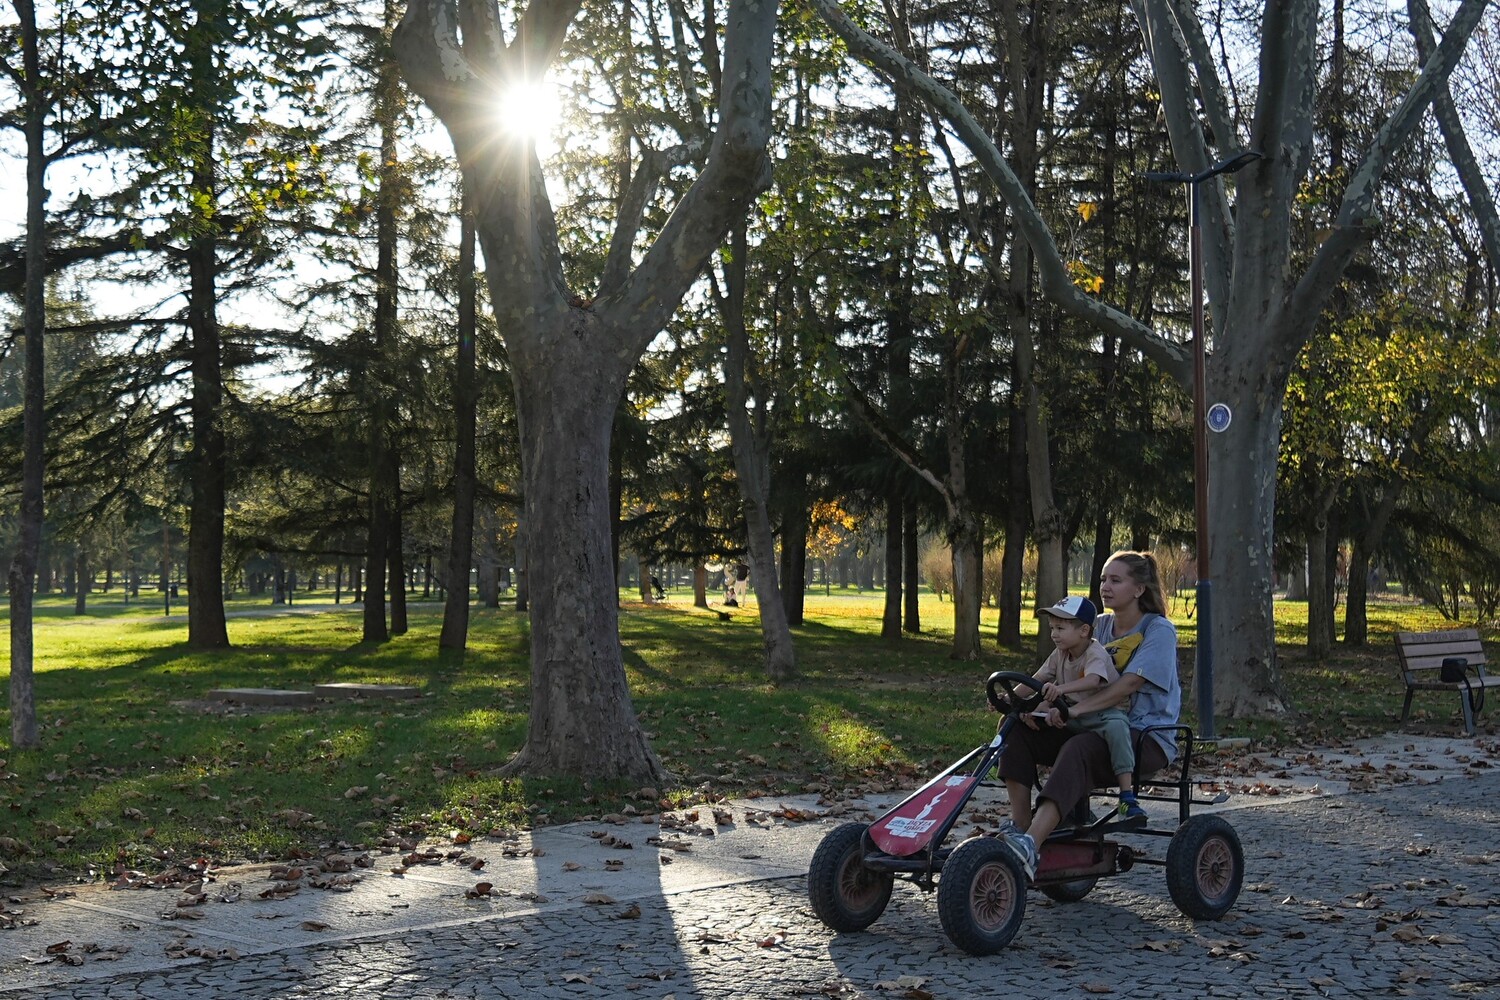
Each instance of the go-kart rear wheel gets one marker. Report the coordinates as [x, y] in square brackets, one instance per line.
[845, 894]
[1205, 867]
[981, 896]
[1070, 892]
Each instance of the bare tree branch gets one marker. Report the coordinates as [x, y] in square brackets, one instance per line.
[1056, 284]
[737, 169]
[1210, 89]
[1358, 218]
[1168, 49]
[1481, 201]
[644, 184]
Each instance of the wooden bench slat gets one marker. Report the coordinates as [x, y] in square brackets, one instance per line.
[1441, 635]
[1425, 652]
[1435, 648]
[1436, 662]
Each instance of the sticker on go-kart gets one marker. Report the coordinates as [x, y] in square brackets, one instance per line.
[910, 827]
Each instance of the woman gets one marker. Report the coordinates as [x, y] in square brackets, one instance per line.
[1130, 588]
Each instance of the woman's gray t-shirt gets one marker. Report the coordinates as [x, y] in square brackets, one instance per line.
[1159, 700]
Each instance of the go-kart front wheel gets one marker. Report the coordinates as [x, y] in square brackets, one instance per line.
[981, 896]
[845, 894]
[1205, 867]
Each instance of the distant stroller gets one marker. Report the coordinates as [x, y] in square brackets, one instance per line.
[657, 591]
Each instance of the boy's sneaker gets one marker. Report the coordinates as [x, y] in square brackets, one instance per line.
[1025, 851]
[1130, 808]
[1008, 829]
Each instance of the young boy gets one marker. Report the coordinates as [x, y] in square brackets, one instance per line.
[1080, 665]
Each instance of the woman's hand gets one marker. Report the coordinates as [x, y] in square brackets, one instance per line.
[1055, 719]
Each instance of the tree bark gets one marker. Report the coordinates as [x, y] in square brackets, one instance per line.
[911, 618]
[966, 537]
[1047, 521]
[1362, 551]
[396, 549]
[523, 578]
[700, 586]
[207, 628]
[379, 389]
[455, 634]
[1242, 470]
[794, 548]
[583, 721]
[1296, 583]
[22, 575]
[85, 579]
[753, 468]
[1322, 546]
[890, 622]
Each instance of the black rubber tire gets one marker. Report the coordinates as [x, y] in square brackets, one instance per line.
[1205, 867]
[1070, 892]
[981, 896]
[845, 894]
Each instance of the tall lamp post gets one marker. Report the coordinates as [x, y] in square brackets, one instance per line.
[1203, 662]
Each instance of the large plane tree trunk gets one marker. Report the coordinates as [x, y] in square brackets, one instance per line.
[570, 354]
[582, 718]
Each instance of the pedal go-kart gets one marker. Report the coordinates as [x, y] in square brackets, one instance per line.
[981, 885]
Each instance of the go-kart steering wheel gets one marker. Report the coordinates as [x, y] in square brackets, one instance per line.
[1008, 681]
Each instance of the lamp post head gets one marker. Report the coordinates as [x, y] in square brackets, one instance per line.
[1231, 165]
[1235, 163]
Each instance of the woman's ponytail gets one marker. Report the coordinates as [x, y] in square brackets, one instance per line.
[1142, 567]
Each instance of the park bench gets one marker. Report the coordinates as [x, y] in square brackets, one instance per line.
[1422, 655]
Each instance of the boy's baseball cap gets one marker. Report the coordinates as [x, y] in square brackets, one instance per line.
[1080, 608]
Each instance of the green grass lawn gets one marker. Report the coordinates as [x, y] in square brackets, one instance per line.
[136, 769]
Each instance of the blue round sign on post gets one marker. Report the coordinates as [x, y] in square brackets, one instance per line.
[1218, 418]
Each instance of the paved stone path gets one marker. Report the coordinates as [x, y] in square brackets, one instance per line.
[1390, 894]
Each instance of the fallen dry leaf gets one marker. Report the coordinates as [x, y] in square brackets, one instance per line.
[314, 925]
[902, 983]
